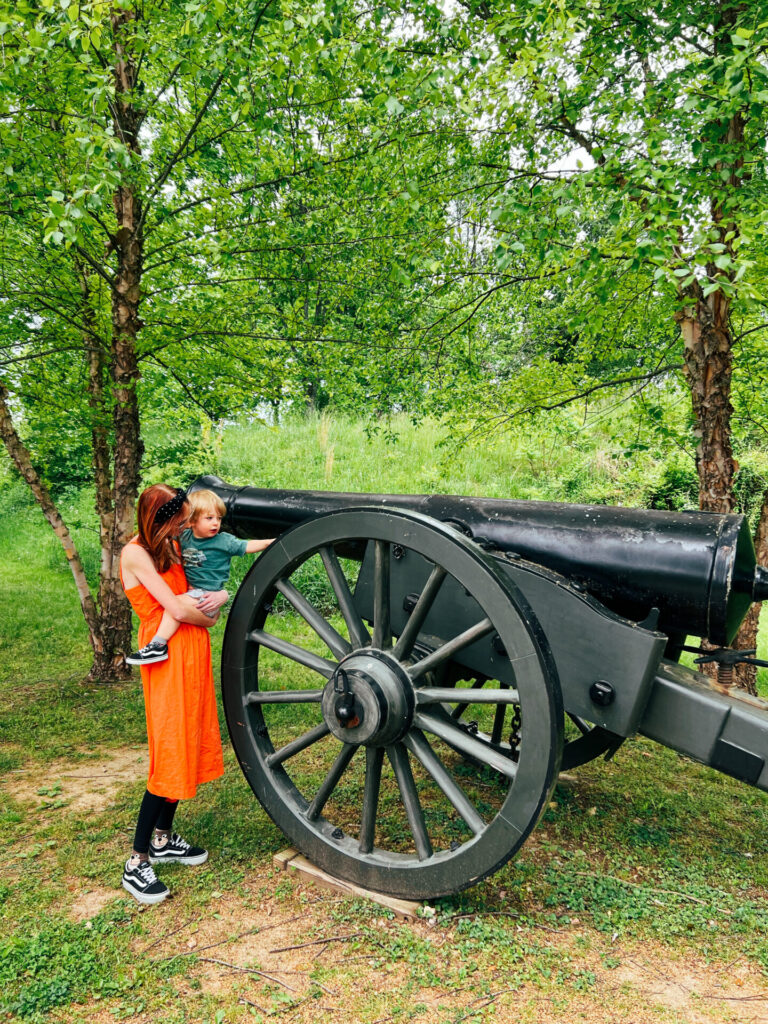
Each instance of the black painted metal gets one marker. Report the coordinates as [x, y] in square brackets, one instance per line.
[727, 731]
[697, 568]
[589, 644]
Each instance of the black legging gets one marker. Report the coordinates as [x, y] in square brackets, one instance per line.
[155, 812]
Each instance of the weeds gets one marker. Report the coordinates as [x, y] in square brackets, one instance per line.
[64, 962]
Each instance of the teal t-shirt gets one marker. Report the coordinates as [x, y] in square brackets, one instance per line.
[207, 559]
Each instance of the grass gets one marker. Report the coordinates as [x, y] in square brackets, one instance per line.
[561, 463]
[648, 855]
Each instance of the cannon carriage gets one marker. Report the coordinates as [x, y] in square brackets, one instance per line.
[462, 652]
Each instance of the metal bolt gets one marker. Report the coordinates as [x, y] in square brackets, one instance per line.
[602, 693]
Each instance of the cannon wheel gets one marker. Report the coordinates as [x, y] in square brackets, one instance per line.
[373, 704]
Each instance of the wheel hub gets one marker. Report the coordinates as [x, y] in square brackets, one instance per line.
[368, 699]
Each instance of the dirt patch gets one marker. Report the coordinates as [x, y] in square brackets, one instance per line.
[90, 903]
[696, 992]
[85, 787]
[290, 957]
[294, 956]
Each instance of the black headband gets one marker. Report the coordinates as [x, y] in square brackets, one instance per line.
[170, 508]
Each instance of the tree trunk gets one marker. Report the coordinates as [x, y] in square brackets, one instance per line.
[23, 462]
[705, 325]
[111, 637]
[708, 359]
[745, 676]
[117, 509]
[708, 356]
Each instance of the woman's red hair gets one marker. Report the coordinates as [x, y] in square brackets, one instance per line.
[159, 539]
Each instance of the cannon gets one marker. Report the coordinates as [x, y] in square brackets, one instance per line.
[449, 656]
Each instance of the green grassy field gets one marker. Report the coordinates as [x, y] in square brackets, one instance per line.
[644, 870]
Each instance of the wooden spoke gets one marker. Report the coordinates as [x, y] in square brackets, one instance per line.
[452, 647]
[382, 631]
[283, 697]
[398, 755]
[404, 645]
[358, 634]
[462, 741]
[498, 723]
[337, 645]
[275, 643]
[374, 758]
[331, 780]
[459, 710]
[449, 695]
[297, 745]
[417, 743]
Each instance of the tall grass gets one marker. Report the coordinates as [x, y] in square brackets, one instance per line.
[554, 461]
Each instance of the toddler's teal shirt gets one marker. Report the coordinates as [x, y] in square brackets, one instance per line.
[207, 559]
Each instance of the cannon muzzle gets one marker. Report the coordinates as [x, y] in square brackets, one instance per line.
[697, 568]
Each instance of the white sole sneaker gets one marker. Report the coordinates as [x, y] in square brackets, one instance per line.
[130, 660]
[145, 897]
[198, 858]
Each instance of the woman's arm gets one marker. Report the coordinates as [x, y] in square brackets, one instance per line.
[192, 612]
[138, 567]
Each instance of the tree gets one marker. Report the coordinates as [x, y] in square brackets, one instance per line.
[654, 115]
[84, 93]
[153, 156]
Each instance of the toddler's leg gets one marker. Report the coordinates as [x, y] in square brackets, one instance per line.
[157, 648]
[166, 629]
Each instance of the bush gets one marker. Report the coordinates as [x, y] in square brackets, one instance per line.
[676, 489]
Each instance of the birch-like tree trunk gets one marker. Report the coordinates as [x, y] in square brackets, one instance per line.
[23, 463]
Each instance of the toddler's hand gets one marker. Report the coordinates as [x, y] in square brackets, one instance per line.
[212, 601]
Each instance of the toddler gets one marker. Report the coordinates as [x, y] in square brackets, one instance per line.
[207, 556]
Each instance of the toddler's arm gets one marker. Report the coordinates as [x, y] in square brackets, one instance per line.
[252, 546]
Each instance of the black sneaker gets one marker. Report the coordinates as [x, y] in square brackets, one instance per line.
[154, 651]
[176, 851]
[142, 883]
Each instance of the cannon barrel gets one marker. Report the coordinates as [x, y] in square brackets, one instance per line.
[697, 568]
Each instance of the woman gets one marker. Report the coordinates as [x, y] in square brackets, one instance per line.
[182, 725]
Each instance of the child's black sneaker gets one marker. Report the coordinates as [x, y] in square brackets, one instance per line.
[140, 880]
[155, 650]
[176, 850]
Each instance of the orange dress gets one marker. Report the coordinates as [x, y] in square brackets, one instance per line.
[179, 698]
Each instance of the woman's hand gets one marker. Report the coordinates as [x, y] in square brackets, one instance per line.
[190, 613]
[212, 601]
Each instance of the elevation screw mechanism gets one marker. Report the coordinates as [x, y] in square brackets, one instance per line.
[602, 693]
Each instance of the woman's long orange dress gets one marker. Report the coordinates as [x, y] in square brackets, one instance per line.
[179, 698]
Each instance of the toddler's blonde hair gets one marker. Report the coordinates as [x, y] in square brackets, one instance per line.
[205, 501]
